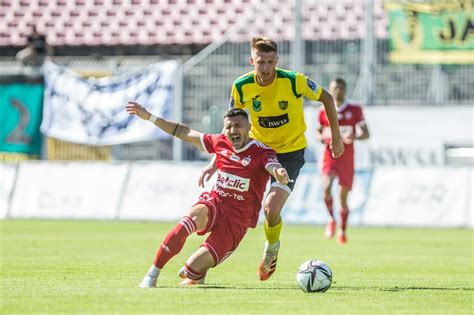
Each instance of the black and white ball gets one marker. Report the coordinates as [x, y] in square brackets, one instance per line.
[314, 276]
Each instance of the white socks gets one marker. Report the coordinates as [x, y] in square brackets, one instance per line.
[154, 271]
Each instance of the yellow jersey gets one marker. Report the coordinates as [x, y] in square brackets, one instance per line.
[276, 110]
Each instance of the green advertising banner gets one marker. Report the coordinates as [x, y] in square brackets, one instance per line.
[21, 113]
[436, 32]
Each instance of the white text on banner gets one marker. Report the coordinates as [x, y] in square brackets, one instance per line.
[428, 197]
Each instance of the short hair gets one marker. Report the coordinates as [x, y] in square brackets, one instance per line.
[340, 81]
[236, 112]
[264, 44]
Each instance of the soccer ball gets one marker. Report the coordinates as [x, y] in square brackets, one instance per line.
[314, 276]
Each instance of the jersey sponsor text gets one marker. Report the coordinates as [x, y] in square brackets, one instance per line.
[230, 181]
[273, 121]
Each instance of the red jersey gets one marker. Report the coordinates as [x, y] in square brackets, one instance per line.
[241, 177]
[348, 116]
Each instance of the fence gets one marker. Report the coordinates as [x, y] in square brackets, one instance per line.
[344, 38]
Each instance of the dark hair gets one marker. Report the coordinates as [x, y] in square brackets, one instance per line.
[264, 44]
[340, 81]
[236, 112]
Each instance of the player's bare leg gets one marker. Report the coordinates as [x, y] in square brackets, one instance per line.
[326, 181]
[344, 214]
[195, 269]
[273, 205]
[174, 241]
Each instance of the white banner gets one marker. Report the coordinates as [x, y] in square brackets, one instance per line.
[435, 197]
[388, 196]
[92, 111]
[306, 203]
[68, 190]
[404, 135]
[161, 191]
[7, 180]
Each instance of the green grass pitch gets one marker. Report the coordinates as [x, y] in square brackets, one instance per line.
[68, 267]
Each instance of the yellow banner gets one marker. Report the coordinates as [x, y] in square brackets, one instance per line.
[438, 32]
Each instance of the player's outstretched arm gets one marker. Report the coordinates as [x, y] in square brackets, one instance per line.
[172, 128]
[278, 172]
[336, 145]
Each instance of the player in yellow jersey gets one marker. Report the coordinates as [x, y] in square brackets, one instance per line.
[274, 99]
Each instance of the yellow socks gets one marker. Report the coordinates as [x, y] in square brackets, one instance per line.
[273, 233]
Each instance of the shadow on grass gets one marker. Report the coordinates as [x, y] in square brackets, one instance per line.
[397, 289]
[224, 287]
[336, 288]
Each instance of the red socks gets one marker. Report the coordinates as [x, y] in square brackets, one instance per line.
[192, 274]
[174, 241]
[344, 213]
[328, 202]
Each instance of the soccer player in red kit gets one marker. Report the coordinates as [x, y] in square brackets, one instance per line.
[232, 206]
[349, 116]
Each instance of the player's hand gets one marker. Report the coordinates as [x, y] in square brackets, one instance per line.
[134, 108]
[337, 147]
[281, 175]
[207, 174]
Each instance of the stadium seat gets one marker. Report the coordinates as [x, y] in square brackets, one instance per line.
[182, 21]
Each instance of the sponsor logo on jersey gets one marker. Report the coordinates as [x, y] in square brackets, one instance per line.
[226, 194]
[256, 104]
[283, 105]
[346, 131]
[311, 84]
[231, 103]
[246, 161]
[347, 115]
[273, 121]
[230, 181]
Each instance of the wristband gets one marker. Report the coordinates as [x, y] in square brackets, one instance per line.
[152, 118]
[175, 128]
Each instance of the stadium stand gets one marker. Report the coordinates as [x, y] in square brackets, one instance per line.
[130, 22]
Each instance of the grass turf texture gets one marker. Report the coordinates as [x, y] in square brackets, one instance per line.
[95, 267]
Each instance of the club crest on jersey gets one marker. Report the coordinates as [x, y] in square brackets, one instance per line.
[246, 161]
[283, 105]
[232, 102]
[256, 104]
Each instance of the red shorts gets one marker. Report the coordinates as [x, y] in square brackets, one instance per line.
[343, 168]
[224, 235]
